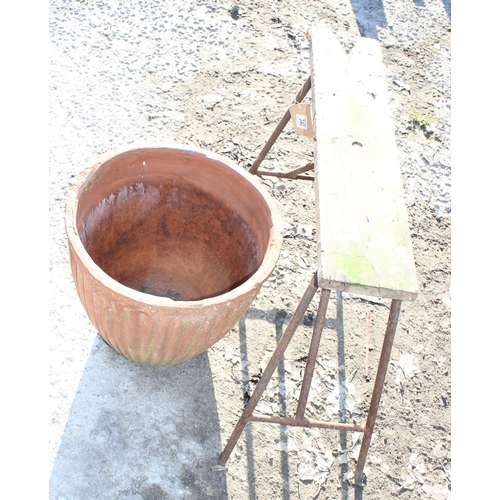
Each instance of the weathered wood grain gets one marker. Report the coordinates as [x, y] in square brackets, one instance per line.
[364, 243]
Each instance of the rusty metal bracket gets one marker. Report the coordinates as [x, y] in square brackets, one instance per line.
[254, 169]
[293, 174]
[299, 419]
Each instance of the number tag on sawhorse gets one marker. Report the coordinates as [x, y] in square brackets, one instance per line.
[301, 119]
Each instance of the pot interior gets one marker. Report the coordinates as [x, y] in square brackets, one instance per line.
[173, 224]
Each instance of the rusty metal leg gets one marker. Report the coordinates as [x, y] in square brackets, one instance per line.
[294, 174]
[385, 357]
[271, 367]
[313, 353]
[281, 125]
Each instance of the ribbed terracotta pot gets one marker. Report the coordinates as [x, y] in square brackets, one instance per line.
[168, 248]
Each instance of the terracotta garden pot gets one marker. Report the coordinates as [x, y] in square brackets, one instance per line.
[168, 249]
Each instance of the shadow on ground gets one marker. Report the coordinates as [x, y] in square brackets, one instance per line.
[447, 7]
[369, 17]
[140, 433]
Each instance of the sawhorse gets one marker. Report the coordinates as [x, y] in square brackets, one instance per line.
[364, 244]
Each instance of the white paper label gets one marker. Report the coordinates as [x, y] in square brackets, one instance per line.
[301, 119]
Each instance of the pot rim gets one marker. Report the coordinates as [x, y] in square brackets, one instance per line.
[254, 282]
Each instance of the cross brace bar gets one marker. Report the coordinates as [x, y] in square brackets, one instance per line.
[299, 420]
[293, 174]
[279, 128]
[305, 422]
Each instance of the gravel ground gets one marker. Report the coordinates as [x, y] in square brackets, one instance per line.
[219, 75]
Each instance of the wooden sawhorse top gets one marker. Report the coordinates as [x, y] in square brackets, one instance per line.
[364, 244]
[364, 241]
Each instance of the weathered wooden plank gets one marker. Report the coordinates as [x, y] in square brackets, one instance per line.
[364, 243]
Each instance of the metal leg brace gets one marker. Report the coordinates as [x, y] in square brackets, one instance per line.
[383, 364]
[299, 420]
[294, 174]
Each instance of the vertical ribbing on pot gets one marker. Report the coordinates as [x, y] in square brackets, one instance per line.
[168, 249]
